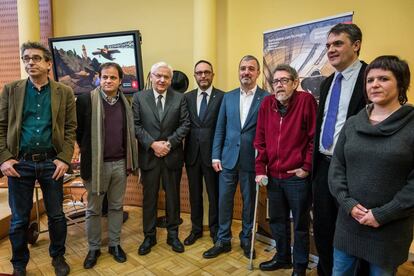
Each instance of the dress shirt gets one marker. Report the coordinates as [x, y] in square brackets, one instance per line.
[164, 95]
[350, 76]
[200, 97]
[246, 99]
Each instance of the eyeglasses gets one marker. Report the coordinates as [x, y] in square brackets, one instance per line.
[35, 58]
[283, 81]
[159, 76]
[200, 73]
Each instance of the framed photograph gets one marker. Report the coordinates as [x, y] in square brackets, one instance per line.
[76, 59]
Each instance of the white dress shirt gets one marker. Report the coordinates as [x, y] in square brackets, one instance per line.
[246, 99]
[162, 99]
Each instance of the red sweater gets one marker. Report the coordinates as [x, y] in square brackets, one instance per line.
[285, 143]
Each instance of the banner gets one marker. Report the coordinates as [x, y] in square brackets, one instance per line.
[303, 46]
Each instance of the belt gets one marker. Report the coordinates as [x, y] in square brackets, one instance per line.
[37, 157]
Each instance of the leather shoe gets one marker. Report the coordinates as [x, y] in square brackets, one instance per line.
[176, 245]
[91, 258]
[191, 239]
[118, 253]
[146, 245]
[216, 250]
[298, 272]
[19, 272]
[246, 250]
[60, 265]
[274, 265]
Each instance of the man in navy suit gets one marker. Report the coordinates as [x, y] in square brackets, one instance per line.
[233, 155]
[203, 105]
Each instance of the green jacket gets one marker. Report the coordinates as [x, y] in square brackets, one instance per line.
[63, 119]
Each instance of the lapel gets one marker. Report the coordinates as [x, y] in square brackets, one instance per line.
[150, 100]
[55, 98]
[255, 105]
[168, 102]
[211, 102]
[18, 95]
[192, 105]
[235, 103]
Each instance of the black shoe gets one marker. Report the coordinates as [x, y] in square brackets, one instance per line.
[146, 245]
[191, 239]
[216, 250]
[246, 250]
[176, 245]
[297, 272]
[60, 265]
[118, 253]
[274, 265]
[91, 258]
[19, 272]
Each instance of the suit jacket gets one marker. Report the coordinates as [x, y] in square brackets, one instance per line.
[357, 102]
[233, 143]
[63, 119]
[199, 140]
[173, 126]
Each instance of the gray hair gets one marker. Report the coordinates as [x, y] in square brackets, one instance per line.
[159, 65]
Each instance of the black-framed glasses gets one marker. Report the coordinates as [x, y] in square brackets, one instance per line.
[35, 58]
[200, 73]
[160, 76]
[283, 81]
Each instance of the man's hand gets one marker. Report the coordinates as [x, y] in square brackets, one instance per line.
[299, 172]
[369, 220]
[217, 166]
[161, 148]
[259, 179]
[7, 168]
[61, 169]
[358, 212]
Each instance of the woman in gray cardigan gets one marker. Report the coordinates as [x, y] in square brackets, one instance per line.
[372, 175]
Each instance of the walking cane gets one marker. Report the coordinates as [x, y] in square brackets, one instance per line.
[263, 182]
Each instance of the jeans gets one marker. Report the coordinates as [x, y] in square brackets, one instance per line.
[227, 188]
[285, 195]
[344, 265]
[21, 203]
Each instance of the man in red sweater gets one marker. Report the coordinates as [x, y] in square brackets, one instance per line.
[284, 141]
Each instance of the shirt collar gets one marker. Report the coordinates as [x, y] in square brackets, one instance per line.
[245, 93]
[156, 94]
[108, 99]
[29, 82]
[208, 91]
[348, 72]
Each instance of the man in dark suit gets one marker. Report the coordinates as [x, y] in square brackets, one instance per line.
[233, 155]
[203, 105]
[338, 100]
[161, 123]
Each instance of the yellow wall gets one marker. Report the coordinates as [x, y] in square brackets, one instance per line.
[167, 25]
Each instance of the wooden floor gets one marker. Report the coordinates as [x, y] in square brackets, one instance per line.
[161, 261]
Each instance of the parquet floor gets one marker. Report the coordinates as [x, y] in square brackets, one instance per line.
[161, 261]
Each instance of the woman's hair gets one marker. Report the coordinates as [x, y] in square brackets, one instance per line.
[400, 70]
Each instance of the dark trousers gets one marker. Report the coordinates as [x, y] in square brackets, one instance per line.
[195, 175]
[285, 195]
[21, 203]
[151, 184]
[228, 180]
[325, 211]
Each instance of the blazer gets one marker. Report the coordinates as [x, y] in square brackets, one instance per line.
[173, 127]
[63, 119]
[199, 140]
[233, 143]
[357, 102]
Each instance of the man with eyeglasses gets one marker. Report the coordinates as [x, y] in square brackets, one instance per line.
[284, 142]
[161, 123]
[203, 105]
[233, 155]
[106, 138]
[341, 96]
[37, 136]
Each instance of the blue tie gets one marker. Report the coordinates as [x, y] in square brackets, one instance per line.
[330, 121]
[203, 106]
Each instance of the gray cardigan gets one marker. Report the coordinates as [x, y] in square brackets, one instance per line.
[374, 165]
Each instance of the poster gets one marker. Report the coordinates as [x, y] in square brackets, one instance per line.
[303, 46]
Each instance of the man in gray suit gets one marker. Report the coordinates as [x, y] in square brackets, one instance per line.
[203, 105]
[161, 123]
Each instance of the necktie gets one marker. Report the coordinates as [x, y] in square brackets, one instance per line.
[330, 121]
[203, 106]
[159, 106]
